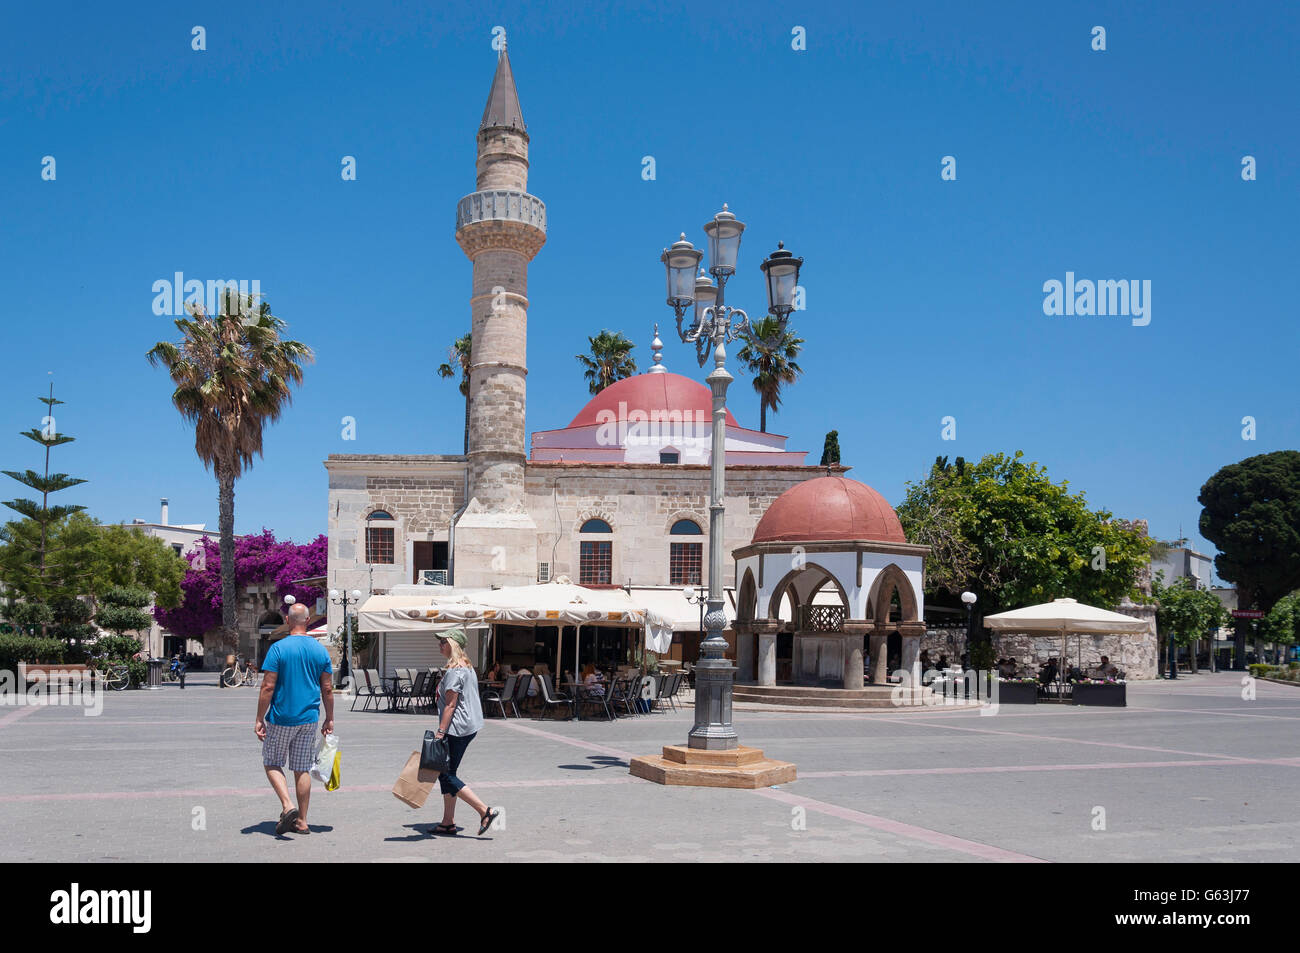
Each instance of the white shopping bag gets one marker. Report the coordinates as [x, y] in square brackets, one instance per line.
[326, 768]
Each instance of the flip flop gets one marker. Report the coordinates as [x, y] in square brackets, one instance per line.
[287, 820]
[488, 818]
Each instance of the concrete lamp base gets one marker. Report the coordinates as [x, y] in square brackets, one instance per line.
[694, 767]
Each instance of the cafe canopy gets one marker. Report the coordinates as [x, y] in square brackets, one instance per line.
[1065, 617]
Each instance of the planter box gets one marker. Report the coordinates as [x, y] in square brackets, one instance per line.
[1018, 693]
[1113, 695]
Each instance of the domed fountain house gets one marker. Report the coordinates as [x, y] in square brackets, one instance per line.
[827, 580]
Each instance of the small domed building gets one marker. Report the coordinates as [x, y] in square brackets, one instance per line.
[828, 579]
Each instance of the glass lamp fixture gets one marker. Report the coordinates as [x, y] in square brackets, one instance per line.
[781, 269]
[724, 242]
[706, 294]
[680, 262]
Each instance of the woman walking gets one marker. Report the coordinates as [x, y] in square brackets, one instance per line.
[460, 717]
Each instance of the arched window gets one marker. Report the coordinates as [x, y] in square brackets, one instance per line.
[595, 557]
[379, 539]
[685, 560]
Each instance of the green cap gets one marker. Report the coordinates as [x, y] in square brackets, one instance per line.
[457, 635]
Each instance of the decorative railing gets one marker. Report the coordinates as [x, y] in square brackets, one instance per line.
[501, 205]
[822, 618]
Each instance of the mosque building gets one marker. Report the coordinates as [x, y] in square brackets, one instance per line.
[617, 498]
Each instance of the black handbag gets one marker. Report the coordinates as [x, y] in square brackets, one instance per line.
[435, 755]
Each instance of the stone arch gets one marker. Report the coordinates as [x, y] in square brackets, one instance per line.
[774, 602]
[699, 520]
[747, 598]
[595, 513]
[882, 589]
[378, 508]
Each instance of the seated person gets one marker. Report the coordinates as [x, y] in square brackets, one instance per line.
[1007, 668]
[1105, 669]
[493, 674]
[942, 664]
[532, 682]
[1047, 673]
[926, 664]
[592, 681]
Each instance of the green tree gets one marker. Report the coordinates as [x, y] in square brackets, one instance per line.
[30, 575]
[233, 374]
[769, 353]
[1002, 529]
[1251, 513]
[125, 556]
[122, 610]
[610, 360]
[831, 449]
[1282, 624]
[458, 362]
[1185, 613]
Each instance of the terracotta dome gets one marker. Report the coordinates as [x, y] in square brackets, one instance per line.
[830, 507]
[649, 393]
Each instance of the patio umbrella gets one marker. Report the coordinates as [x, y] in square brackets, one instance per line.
[1065, 617]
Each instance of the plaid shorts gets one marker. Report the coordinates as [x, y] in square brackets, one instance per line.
[296, 743]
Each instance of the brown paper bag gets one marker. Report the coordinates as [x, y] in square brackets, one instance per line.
[410, 789]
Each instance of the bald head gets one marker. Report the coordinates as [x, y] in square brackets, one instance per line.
[298, 616]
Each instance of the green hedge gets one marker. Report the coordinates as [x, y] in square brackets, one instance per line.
[29, 648]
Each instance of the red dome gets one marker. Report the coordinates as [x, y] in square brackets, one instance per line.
[830, 507]
[649, 393]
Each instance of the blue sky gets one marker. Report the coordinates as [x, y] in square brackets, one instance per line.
[924, 296]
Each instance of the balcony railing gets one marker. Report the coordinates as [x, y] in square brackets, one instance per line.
[501, 205]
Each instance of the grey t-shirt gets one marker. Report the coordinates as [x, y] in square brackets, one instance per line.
[468, 716]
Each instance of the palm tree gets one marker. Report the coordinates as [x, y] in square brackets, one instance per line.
[458, 357]
[610, 360]
[769, 353]
[232, 374]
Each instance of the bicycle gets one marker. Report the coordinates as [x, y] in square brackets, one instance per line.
[241, 673]
[113, 675]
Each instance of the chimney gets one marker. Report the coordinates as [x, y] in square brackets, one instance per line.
[164, 511]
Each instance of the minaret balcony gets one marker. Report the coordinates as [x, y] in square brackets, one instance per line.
[501, 205]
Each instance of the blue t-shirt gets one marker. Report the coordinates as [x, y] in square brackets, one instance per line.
[298, 662]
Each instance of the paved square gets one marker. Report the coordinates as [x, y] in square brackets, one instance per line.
[1189, 772]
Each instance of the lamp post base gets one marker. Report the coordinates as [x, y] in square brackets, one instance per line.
[740, 767]
[713, 729]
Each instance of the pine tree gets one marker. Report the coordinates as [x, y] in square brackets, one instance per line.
[34, 576]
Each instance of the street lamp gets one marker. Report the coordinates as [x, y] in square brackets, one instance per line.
[346, 599]
[969, 598]
[696, 599]
[713, 326]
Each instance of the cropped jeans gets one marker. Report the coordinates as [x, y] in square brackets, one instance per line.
[456, 745]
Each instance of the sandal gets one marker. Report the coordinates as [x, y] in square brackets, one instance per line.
[287, 820]
[488, 818]
[451, 829]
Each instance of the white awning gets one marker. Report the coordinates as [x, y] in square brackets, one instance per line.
[673, 608]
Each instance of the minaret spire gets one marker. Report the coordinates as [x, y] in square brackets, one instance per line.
[502, 110]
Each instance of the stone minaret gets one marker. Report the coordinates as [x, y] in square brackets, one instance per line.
[500, 227]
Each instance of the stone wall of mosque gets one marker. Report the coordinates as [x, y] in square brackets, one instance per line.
[641, 502]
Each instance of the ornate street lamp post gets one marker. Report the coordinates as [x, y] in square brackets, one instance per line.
[715, 325]
[346, 599]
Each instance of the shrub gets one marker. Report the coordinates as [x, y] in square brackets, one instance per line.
[29, 648]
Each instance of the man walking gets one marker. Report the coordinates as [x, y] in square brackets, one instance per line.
[295, 679]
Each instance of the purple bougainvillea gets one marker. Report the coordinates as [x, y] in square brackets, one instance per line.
[259, 559]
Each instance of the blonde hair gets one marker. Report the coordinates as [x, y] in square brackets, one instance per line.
[458, 657]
